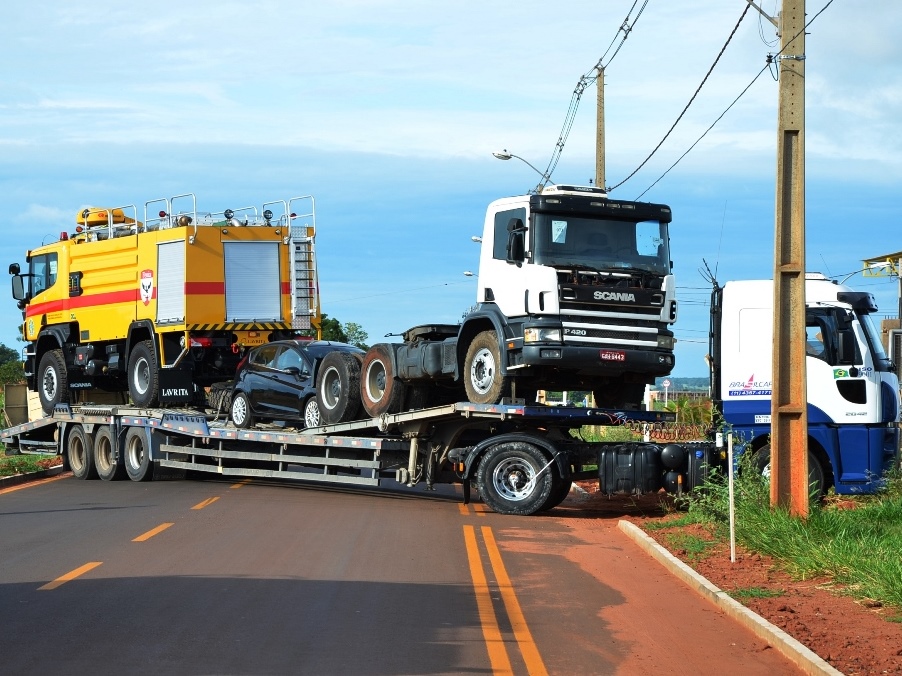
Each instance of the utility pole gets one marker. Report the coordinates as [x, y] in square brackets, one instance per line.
[599, 131]
[789, 400]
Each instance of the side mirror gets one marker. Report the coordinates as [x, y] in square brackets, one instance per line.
[18, 286]
[14, 268]
[516, 249]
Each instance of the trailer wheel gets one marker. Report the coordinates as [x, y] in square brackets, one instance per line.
[380, 390]
[515, 478]
[53, 380]
[482, 371]
[109, 468]
[240, 411]
[338, 388]
[560, 489]
[80, 453]
[816, 474]
[311, 413]
[144, 375]
[137, 456]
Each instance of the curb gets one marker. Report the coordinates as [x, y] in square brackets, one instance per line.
[804, 658]
[16, 479]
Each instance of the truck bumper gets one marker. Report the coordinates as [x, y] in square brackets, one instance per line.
[598, 361]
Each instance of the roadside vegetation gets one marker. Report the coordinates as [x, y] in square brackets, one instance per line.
[10, 465]
[855, 540]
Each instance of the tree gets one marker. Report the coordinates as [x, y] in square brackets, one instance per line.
[11, 370]
[356, 335]
[351, 333]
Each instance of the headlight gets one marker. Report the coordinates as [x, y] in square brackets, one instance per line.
[541, 335]
[665, 342]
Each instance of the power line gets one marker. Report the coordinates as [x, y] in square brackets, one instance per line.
[680, 117]
[771, 59]
[587, 79]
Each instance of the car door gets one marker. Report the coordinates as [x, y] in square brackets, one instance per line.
[257, 380]
[292, 380]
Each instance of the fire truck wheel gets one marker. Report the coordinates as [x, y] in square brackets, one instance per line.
[338, 388]
[241, 411]
[109, 468]
[53, 381]
[311, 413]
[137, 456]
[144, 375]
[816, 475]
[513, 478]
[380, 391]
[80, 453]
[483, 380]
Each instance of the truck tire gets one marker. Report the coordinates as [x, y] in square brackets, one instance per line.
[144, 375]
[53, 380]
[513, 478]
[483, 381]
[240, 411]
[138, 464]
[560, 489]
[816, 473]
[380, 390]
[80, 453]
[338, 388]
[109, 468]
[311, 413]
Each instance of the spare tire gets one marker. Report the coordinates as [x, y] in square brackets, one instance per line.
[338, 388]
[381, 391]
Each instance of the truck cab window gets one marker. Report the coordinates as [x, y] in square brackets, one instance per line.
[43, 273]
[502, 220]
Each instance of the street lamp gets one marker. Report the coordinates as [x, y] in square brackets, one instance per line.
[505, 155]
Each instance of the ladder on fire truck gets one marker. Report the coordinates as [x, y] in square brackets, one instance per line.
[305, 303]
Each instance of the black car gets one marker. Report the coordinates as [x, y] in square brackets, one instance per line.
[277, 381]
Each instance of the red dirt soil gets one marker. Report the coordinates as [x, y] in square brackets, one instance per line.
[854, 636]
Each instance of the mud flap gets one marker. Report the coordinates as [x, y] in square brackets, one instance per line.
[176, 386]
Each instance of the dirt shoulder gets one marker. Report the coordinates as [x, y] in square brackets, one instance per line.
[854, 636]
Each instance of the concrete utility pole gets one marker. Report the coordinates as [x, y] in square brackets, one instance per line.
[789, 400]
[599, 131]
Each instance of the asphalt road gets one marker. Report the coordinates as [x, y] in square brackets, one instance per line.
[191, 577]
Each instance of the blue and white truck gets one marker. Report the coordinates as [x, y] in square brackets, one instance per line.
[853, 391]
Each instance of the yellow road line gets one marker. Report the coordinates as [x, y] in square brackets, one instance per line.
[205, 503]
[70, 576]
[154, 531]
[528, 649]
[30, 484]
[490, 631]
[240, 484]
[463, 509]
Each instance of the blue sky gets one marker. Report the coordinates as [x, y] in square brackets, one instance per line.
[388, 112]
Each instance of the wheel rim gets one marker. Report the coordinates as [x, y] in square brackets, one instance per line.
[103, 452]
[141, 378]
[135, 453]
[514, 479]
[331, 388]
[49, 384]
[239, 410]
[375, 381]
[482, 371]
[311, 414]
[77, 454]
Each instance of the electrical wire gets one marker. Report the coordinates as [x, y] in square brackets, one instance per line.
[771, 59]
[587, 79]
[683, 112]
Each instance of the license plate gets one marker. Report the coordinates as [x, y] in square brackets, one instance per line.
[612, 355]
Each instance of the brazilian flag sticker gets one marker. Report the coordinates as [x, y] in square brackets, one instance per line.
[840, 373]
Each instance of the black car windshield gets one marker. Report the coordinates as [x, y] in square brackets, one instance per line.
[600, 244]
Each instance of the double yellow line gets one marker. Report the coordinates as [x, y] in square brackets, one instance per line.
[491, 631]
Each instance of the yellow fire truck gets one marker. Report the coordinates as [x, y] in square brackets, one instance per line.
[164, 307]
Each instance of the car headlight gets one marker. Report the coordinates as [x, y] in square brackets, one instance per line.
[538, 335]
[665, 342]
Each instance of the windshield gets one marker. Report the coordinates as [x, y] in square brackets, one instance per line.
[600, 244]
[874, 339]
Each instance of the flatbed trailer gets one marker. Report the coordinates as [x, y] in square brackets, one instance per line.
[520, 459]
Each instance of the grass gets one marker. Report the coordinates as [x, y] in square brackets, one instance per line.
[856, 547]
[11, 465]
[755, 593]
